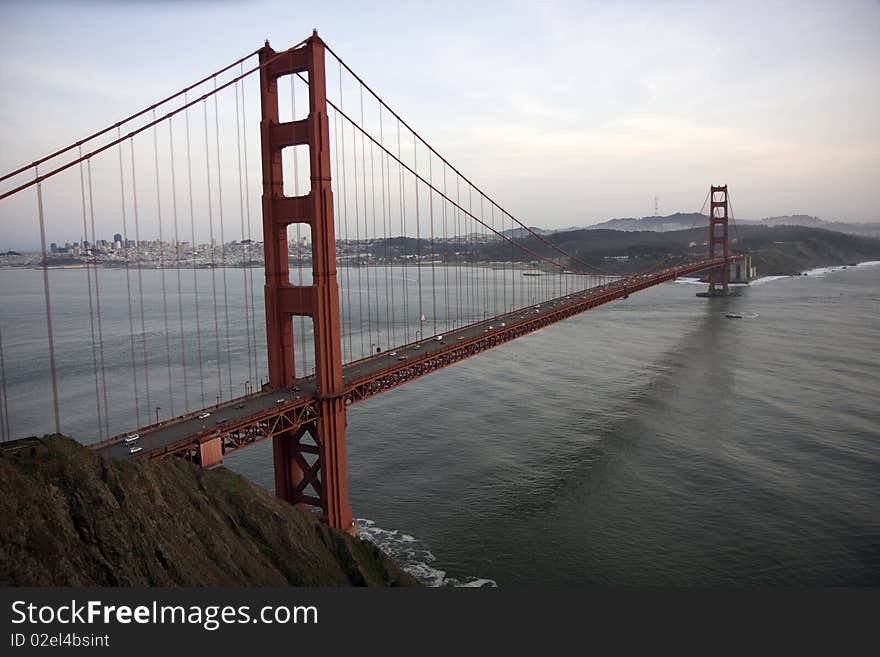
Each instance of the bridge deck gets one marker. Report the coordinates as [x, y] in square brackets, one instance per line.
[246, 420]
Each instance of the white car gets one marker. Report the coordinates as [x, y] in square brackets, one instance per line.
[134, 450]
[280, 401]
[131, 438]
[202, 416]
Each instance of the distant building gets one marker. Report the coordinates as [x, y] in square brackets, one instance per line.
[53, 247]
[117, 238]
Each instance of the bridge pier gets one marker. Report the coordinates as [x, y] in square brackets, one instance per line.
[211, 452]
[310, 466]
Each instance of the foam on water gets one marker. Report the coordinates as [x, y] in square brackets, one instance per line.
[410, 554]
[824, 271]
[766, 279]
[763, 280]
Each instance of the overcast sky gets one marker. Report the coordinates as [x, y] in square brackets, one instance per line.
[568, 113]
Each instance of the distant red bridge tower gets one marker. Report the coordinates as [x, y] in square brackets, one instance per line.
[719, 244]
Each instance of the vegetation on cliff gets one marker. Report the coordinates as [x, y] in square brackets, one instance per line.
[68, 517]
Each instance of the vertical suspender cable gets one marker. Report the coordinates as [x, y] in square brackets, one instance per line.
[357, 238]
[162, 270]
[461, 262]
[366, 259]
[494, 277]
[222, 239]
[345, 223]
[431, 213]
[4, 401]
[471, 262]
[421, 331]
[445, 252]
[137, 250]
[337, 221]
[195, 263]
[82, 189]
[402, 195]
[48, 303]
[213, 258]
[485, 267]
[98, 305]
[247, 205]
[389, 289]
[128, 290]
[183, 363]
[372, 244]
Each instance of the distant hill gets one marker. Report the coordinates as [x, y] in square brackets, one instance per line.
[775, 250]
[867, 229]
[677, 221]
[684, 221]
[522, 232]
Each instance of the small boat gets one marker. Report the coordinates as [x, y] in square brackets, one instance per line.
[733, 316]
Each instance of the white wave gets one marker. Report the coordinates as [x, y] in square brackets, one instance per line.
[766, 279]
[763, 280]
[823, 271]
[819, 272]
[410, 554]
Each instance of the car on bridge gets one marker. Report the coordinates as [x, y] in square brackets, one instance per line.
[202, 416]
[132, 438]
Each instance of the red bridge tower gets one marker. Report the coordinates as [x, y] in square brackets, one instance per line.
[310, 465]
[719, 244]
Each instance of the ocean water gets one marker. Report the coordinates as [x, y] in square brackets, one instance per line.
[652, 441]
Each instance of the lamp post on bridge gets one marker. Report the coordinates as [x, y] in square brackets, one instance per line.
[158, 408]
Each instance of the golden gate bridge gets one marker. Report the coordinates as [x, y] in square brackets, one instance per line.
[402, 266]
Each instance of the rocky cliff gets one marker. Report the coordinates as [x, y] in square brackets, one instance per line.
[68, 517]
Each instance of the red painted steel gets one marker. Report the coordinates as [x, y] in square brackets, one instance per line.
[718, 237]
[326, 475]
[211, 452]
[295, 417]
[308, 429]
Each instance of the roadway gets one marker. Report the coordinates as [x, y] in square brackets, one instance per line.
[171, 435]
